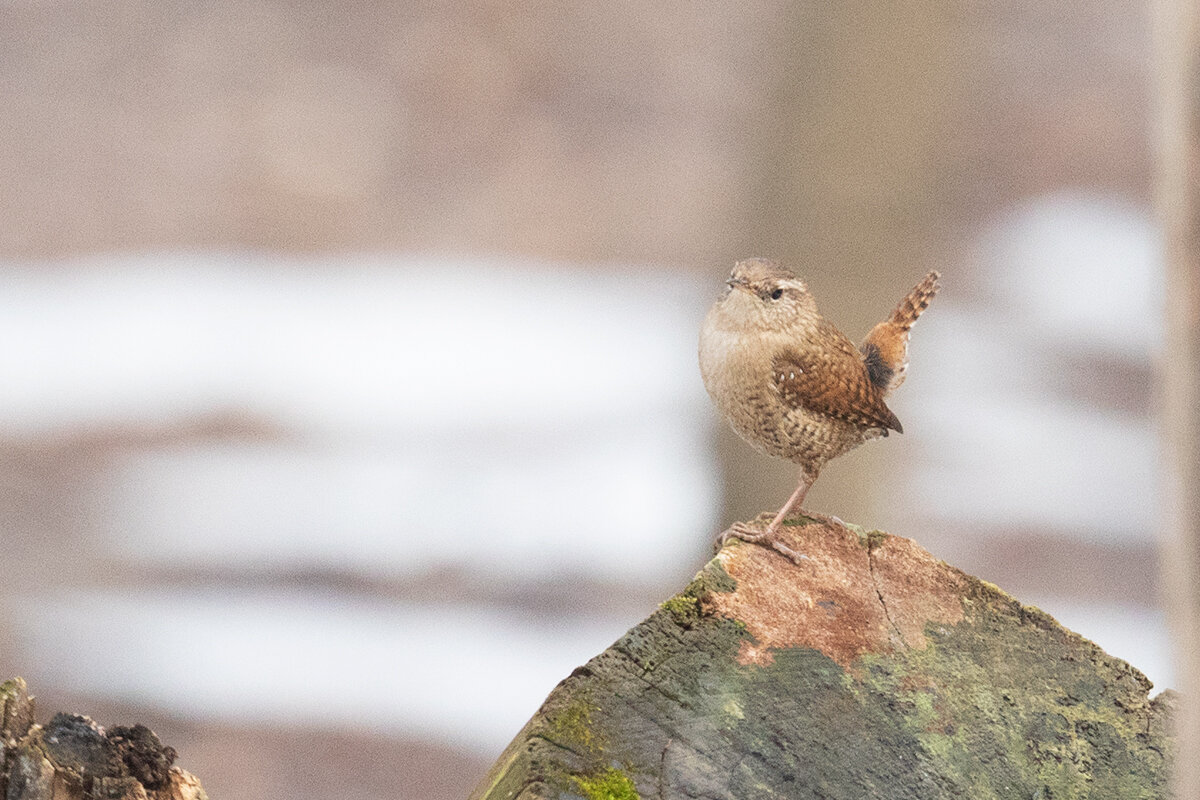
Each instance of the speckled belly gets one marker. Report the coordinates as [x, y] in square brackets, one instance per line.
[761, 417]
[807, 439]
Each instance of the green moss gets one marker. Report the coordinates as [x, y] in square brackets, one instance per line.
[857, 530]
[733, 709]
[800, 520]
[685, 610]
[611, 784]
[572, 725]
[713, 578]
[10, 690]
[992, 713]
[875, 539]
[685, 607]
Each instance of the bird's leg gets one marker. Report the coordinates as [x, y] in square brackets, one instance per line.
[770, 536]
[794, 501]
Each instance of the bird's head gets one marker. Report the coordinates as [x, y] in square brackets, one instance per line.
[762, 294]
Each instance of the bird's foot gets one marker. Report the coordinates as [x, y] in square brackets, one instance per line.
[743, 531]
[769, 537]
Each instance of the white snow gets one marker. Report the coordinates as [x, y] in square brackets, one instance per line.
[470, 676]
[1001, 445]
[508, 421]
[368, 346]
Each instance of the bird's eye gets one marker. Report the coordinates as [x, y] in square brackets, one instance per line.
[778, 293]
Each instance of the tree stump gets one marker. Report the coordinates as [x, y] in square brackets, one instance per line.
[871, 670]
[73, 758]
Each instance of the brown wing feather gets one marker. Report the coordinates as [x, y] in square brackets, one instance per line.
[830, 378]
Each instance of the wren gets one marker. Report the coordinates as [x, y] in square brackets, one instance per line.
[791, 384]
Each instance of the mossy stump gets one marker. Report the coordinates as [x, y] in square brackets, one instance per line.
[872, 670]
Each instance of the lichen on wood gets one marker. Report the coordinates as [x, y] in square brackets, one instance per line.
[872, 670]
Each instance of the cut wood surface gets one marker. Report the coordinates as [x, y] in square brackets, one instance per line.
[73, 758]
[871, 670]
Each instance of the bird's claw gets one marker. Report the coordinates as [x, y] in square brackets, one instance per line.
[740, 530]
[791, 554]
[767, 538]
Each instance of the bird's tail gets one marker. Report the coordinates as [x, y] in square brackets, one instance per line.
[915, 303]
[885, 350]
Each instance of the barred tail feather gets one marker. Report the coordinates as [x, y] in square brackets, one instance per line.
[915, 303]
[885, 350]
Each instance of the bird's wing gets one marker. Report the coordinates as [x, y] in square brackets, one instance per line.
[829, 377]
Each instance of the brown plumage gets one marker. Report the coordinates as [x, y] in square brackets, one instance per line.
[790, 383]
[885, 350]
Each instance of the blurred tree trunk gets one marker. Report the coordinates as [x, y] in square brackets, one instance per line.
[1179, 201]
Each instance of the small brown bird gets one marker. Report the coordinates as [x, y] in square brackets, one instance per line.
[791, 384]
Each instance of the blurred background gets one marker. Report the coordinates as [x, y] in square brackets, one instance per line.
[350, 395]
